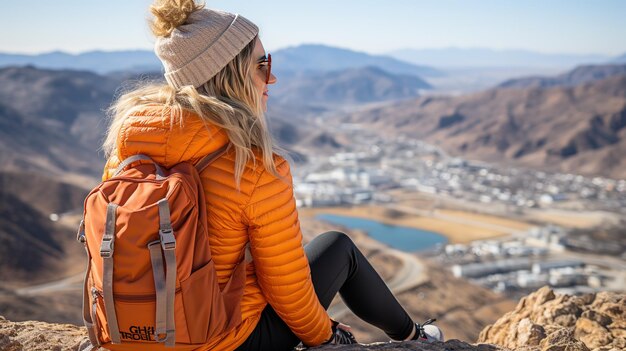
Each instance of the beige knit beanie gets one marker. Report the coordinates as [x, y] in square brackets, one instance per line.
[203, 45]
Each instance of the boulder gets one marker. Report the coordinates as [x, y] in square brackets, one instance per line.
[39, 336]
[546, 321]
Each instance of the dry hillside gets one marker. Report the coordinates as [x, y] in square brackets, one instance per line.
[578, 129]
[35, 248]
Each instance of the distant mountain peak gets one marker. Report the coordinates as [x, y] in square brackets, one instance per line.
[324, 58]
[315, 47]
[352, 85]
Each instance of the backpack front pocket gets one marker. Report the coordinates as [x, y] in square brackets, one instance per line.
[204, 308]
[136, 318]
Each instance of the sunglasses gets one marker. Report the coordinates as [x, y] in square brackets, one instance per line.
[266, 64]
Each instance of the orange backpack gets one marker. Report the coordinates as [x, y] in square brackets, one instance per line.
[150, 282]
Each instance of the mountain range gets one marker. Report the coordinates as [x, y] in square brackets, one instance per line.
[315, 57]
[95, 61]
[303, 58]
[322, 58]
[580, 75]
[52, 121]
[457, 70]
[579, 129]
[348, 86]
[298, 69]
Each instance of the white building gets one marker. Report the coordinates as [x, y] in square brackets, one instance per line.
[475, 270]
[542, 267]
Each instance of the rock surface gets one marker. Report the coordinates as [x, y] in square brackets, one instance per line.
[39, 336]
[450, 345]
[542, 321]
[549, 322]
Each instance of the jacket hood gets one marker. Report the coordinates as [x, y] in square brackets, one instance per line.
[167, 136]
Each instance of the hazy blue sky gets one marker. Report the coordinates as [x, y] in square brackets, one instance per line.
[565, 26]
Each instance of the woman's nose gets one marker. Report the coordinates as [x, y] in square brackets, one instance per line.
[273, 79]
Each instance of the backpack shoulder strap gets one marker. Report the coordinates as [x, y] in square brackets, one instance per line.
[206, 160]
[135, 158]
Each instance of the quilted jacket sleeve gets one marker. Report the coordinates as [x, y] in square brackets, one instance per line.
[281, 265]
[110, 167]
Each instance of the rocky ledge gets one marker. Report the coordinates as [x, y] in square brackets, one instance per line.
[546, 321]
[541, 321]
[40, 336]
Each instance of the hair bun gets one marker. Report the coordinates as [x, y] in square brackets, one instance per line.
[169, 14]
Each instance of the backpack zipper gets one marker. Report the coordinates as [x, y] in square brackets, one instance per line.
[128, 297]
[94, 319]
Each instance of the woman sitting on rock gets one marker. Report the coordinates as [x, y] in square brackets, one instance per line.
[218, 75]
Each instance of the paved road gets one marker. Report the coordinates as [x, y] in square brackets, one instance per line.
[74, 282]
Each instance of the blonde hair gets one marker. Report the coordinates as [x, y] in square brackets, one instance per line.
[229, 100]
[169, 14]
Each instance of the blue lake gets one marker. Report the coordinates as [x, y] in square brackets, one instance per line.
[401, 238]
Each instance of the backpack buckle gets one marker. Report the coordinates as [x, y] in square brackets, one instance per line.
[80, 235]
[106, 248]
[168, 240]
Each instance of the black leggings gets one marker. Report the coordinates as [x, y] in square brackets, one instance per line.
[337, 265]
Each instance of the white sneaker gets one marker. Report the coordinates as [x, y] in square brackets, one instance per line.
[432, 333]
[428, 332]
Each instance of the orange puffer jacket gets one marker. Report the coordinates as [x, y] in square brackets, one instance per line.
[263, 212]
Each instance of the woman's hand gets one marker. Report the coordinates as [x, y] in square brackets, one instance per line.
[344, 327]
[341, 334]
